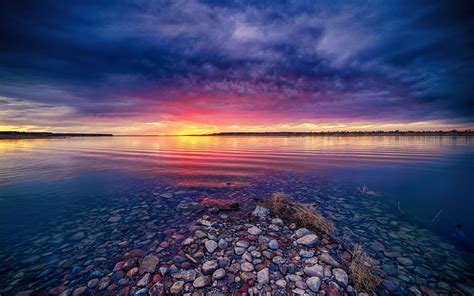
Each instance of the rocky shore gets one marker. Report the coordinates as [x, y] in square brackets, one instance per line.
[225, 255]
[230, 248]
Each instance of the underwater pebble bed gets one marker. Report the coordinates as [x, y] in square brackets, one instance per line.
[103, 250]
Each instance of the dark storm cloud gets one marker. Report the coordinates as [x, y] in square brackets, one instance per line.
[382, 60]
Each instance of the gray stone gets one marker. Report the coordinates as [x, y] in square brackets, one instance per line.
[341, 276]
[273, 244]
[104, 283]
[306, 254]
[92, 283]
[326, 258]
[186, 275]
[263, 276]
[239, 250]
[315, 270]
[209, 267]
[277, 221]
[158, 289]
[278, 260]
[143, 292]
[308, 240]
[302, 232]
[211, 246]
[144, 280]
[219, 274]
[242, 244]
[314, 283]
[148, 264]
[260, 211]
[200, 234]
[246, 266]
[177, 287]
[222, 243]
[188, 241]
[202, 281]
[254, 230]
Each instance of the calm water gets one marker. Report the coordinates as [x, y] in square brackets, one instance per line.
[52, 189]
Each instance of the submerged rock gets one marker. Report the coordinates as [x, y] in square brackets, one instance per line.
[308, 240]
[260, 211]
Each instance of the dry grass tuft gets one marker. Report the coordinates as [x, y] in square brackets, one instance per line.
[307, 215]
[364, 271]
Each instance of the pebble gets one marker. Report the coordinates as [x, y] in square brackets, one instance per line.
[246, 266]
[177, 287]
[218, 274]
[211, 246]
[186, 275]
[144, 280]
[273, 244]
[341, 276]
[209, 267]
[149, 264]
[314, 283]
[306, 254]
[326, 258]
[260, 211]
[263, 276]
[315, 270]
[302, 232]
[202, 281]
[280, 283]
[308, 240]
[254, 230]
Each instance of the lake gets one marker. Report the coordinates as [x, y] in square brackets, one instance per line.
[70, 207]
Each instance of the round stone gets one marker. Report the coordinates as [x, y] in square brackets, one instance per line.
[254, 230]
[306, 254]
[314, 283]
[315, 270]
[209, 267]
[281, 283]
[246, 266]
[218, 274]
[308, 240]
[302, 232]
[239, 250]
[211, 246]
[273, 244]
[177, 287]
[201, 281]
[341, 276]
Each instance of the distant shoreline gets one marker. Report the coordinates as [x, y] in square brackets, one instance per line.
[341, 133]
[42, 135]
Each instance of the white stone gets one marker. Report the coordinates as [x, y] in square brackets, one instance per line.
[260, 211]
[263, 276]
[341, 276]
[211, 246]
[308, 240]
[254, 230]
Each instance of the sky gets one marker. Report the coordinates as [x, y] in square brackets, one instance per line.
[189, 67]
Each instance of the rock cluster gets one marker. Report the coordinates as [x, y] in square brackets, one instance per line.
[247, 256]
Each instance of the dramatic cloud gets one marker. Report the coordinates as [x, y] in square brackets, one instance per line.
[169, 66]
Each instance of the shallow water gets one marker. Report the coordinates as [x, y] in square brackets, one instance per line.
[54, 191]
